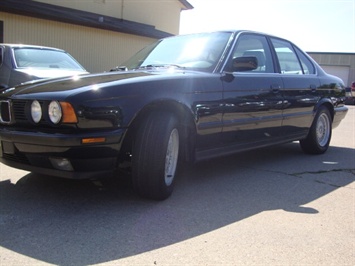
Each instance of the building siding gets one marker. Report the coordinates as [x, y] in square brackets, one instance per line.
[97, 50]
[338, 61]
[163, 14]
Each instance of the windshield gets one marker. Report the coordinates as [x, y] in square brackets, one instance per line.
[197, 51]
[44, 58]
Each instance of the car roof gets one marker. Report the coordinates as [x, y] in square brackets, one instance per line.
[18, 45]
[231, 31]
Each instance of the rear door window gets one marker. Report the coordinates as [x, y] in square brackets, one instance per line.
[287, 57]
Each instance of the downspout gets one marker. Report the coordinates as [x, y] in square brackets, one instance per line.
[122, 6]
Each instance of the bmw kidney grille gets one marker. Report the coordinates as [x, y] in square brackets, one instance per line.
[5, 112]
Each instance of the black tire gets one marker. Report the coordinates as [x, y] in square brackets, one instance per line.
[320, 133]
[154, 156]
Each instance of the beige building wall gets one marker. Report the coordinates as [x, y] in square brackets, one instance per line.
[163, 14]
[338, 64]
[97, 50]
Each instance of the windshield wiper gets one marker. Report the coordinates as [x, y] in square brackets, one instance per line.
[162, 66]
[119, 68]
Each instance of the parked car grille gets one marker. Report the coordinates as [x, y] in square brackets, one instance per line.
[19, 110]
[11, 111]
[16, 113]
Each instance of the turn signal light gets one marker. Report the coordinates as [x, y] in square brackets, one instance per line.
[92, 140]
[69, 115]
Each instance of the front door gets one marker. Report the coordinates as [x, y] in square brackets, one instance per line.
[253, 99]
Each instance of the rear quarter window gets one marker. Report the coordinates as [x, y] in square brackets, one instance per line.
[307, 65]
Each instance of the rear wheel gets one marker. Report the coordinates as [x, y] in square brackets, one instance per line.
[155, 155]
[318, 139]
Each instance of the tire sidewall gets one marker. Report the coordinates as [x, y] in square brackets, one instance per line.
[149, 155]
[311, 144]
[322, 111]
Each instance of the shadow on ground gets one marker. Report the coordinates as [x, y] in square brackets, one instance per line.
[68, 222]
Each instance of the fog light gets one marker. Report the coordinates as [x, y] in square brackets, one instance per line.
[61, 164]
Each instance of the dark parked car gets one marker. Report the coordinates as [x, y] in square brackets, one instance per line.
[350, 94]
[20, 63]
[184, 98]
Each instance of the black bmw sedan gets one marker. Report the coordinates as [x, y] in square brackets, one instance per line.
[184, 98]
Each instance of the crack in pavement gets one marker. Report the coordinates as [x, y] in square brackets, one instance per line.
[300, 174]
[326, 182]
[351, 171]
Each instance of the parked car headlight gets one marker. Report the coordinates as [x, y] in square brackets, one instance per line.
[55, 112]
[36, 111]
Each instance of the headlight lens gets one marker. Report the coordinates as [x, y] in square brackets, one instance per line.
[55, 112]
[36, 111]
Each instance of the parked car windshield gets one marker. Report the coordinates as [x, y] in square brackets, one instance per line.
[44, 58]
[197, 51]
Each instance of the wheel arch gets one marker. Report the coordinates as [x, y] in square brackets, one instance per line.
[184, 116]
[326, 103]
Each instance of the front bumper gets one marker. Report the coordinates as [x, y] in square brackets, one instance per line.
[61, 155]
[339, 114]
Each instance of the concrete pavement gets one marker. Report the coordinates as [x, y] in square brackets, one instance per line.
[274, 206]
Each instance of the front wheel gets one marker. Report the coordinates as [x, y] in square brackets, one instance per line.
[155, 155]
[318, 138]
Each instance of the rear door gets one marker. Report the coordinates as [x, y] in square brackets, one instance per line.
[253, 99]
[300, 87]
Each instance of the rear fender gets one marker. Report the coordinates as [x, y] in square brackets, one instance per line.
[327, 103]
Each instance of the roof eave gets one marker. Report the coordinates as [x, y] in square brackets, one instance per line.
[78, 17]
[186, 5]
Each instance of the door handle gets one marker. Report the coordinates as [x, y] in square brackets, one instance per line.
[275, 88]
[313, 87]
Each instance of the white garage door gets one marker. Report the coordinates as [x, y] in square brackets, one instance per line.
[339, 71]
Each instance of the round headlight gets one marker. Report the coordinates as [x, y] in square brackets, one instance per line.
[55, 112]
[36, 111]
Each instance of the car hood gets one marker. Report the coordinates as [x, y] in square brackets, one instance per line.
[46, 73]
[77, 84]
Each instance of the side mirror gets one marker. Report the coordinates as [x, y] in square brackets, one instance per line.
[244, 63]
